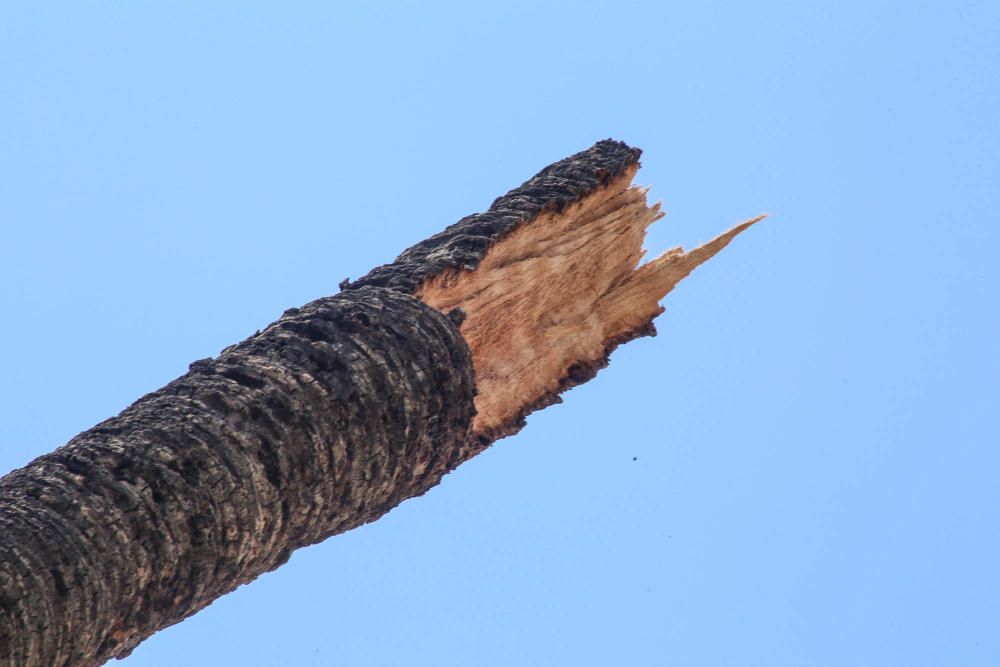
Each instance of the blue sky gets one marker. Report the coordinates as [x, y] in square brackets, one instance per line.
[801, 469]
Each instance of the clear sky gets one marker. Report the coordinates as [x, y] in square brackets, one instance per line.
[801, 469]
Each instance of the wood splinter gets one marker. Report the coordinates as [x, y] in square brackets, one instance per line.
[331, 416]
[550, 300]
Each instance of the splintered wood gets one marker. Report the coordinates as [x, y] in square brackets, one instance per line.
[554, 295]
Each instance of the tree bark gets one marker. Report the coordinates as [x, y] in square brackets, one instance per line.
[329, 417]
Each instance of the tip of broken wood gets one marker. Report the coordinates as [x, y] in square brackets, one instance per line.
[743, 226]
[652, 281]
[708, 250]
[552, 297]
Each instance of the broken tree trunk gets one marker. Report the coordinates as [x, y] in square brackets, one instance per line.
[331, 416]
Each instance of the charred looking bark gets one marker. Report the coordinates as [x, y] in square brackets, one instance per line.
[328, 418]
[324, 421]
[464, 244]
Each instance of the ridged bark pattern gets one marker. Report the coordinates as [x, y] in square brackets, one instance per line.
[324, 421]
[464, 244]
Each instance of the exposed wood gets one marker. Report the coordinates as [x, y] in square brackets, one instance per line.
[331, 416]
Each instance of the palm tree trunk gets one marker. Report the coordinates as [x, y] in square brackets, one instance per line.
[328, 418]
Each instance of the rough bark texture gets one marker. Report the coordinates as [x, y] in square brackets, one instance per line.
[324, 421]
[330, 417]
[464, 244]
[549, 279]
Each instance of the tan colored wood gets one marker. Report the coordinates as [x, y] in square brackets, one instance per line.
[559, 291]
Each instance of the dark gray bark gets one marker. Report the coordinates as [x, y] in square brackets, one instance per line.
[464, 243]
[322, 422]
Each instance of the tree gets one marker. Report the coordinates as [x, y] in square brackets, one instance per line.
[331, 416]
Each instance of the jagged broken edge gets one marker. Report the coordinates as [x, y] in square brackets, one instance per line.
[585, 370]
[464, 244]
